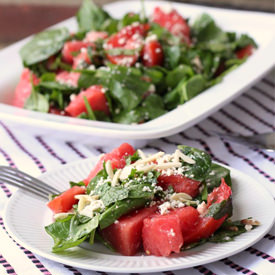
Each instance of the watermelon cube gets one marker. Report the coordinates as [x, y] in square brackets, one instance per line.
[125, 234]
[162, 235]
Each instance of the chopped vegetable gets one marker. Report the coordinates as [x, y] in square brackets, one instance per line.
[146, 65]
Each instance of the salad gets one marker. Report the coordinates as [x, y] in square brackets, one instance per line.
[159, 204]
[128, 70]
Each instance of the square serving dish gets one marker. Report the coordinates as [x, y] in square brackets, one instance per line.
[257, 25]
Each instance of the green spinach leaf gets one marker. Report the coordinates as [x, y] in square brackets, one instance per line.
[43, 45]
[218, 210]
[90, 16]
[200, 169]
[71, 231]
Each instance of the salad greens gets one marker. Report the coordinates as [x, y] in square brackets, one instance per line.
[135, 93]
[113, 193]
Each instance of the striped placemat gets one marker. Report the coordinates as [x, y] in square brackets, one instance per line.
[251, 113]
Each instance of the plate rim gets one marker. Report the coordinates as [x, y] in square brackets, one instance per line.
[172, 266]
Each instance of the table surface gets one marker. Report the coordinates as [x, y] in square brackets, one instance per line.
[251, 113]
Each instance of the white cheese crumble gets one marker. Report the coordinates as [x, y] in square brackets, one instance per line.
[171, 233]
[248, 227]
[151, 38]
[202, 208]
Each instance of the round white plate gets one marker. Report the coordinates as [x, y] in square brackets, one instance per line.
[256, 24]
[26, 216]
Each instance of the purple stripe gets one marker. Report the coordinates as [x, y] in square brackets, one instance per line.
[99, 149]
[11, 164]
[28, 253]
[204, 270]
[71, 146]
[263, 93]
[267, 81]
[229, 116]
[238, 267]
[261, 254]
[269, 237]
[73, 270]
[49, 149]
[245, 110]
[259, 103]
[5, 189]
[19, 144]
[230, 150]
[8, 158]
[149, 146]
[9, 269]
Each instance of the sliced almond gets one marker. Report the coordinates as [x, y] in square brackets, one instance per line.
[250, 222]
[180, 197]
[109, 169]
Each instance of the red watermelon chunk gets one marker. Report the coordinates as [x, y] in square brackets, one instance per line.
[180, 184]
[24, 88]
[205, 228]
[68, 78]
[208, 225]
[125, 234]
[161, 234]
[219, 194]
[173, 22]
[65, 201]
[117, 158]
[189, 218]
[70, 48]
[95, 97]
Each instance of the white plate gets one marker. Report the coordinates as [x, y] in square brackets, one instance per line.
[26, 215]
[255, 24]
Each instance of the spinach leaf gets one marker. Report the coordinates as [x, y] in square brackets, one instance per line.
[172, 56]
[128, 19]
[218, 210]
[87, 79]
[213, 179]
[129, 117]
[49, 86]
[176, 75]
[71, 231]
[90, 112]
[120, 208]
[80, 183]
[43, 45]
[172, 99]
[114, 194]
[200, 169]
[209, 35]
[37, 102]
[153, 107]
[190, 88]
[245, 40]
[90, 16]
[102, 174]
[228, 231]
[128, 98]
[137, 191]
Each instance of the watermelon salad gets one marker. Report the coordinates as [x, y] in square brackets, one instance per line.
[129, 70]
[157, 204]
